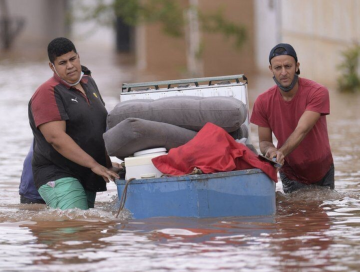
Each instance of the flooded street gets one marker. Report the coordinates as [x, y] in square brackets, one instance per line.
[312, 231]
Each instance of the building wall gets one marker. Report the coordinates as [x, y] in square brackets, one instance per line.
[158, 55]
[44, 20]
[319, 30]
[162, 55]
[267, 31]
[221, 57]
[166, 56]
[90, 32]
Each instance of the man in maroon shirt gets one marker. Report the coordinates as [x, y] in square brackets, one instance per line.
[295, 111]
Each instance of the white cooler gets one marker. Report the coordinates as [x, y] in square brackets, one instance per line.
[141, 167]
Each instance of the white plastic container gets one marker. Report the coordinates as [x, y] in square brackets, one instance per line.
[141, 167]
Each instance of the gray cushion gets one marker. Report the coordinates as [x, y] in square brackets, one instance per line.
[190, 112]
[133, 134]
[242, 132]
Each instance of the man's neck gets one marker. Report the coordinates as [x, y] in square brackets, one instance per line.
[288, 96]
[80, 88]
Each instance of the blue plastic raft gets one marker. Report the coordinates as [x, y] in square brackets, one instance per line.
[236, 193]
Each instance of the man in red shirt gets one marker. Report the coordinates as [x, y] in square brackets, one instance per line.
[295, 110]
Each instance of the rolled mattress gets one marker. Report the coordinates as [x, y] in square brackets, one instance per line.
[134, 134]
[190, 112]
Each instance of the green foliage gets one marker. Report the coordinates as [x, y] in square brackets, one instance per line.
[134, 12]
[168, 13]
[216, 23]
[102, 12]
[349, 81]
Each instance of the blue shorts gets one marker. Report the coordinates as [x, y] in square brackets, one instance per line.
[67, 193]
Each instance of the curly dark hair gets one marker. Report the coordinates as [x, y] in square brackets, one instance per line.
[58, 47]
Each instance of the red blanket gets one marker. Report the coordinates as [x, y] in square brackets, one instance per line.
[211, 150]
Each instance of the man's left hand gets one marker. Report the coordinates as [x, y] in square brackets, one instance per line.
[275, 153]
[116, 165]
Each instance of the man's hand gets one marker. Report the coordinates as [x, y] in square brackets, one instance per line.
[306, 122]
[107, 174]
[265, 142]
[116, 165]
[55, 134]
[272, 152]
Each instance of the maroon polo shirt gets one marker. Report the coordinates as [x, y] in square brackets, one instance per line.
[85, 118]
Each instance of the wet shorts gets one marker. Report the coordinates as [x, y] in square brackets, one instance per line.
[67, 193]
[290, 186]
[26, 200]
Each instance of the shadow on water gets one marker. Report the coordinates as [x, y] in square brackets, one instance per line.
[209, 230]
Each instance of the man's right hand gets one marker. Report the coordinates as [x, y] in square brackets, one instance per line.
[105, 173]
[55, 134]
[267, 146]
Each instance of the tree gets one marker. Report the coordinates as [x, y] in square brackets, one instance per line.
[176, 21]
[349, 79]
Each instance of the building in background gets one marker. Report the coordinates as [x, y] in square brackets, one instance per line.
[30, 24]
[167, 55]
[319, 30]
[267, 31]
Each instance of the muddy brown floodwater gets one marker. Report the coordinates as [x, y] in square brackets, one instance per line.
[312, 230]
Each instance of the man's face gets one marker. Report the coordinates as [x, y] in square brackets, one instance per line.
[284, 68]
[68, 67]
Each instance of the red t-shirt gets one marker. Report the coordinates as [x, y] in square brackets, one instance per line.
[312, 159]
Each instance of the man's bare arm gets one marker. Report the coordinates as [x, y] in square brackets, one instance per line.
[305, 124]
[265, 140]
[55, 134]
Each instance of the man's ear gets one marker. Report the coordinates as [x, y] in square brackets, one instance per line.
[297, 67]
[51, 67]
[270, 68]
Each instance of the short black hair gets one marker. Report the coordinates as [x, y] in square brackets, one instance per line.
[58, 47]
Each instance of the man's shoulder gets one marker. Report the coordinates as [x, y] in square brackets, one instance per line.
[45, 90]
[310, 84]
[88, 80]
[47, 86]
[268, 93]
